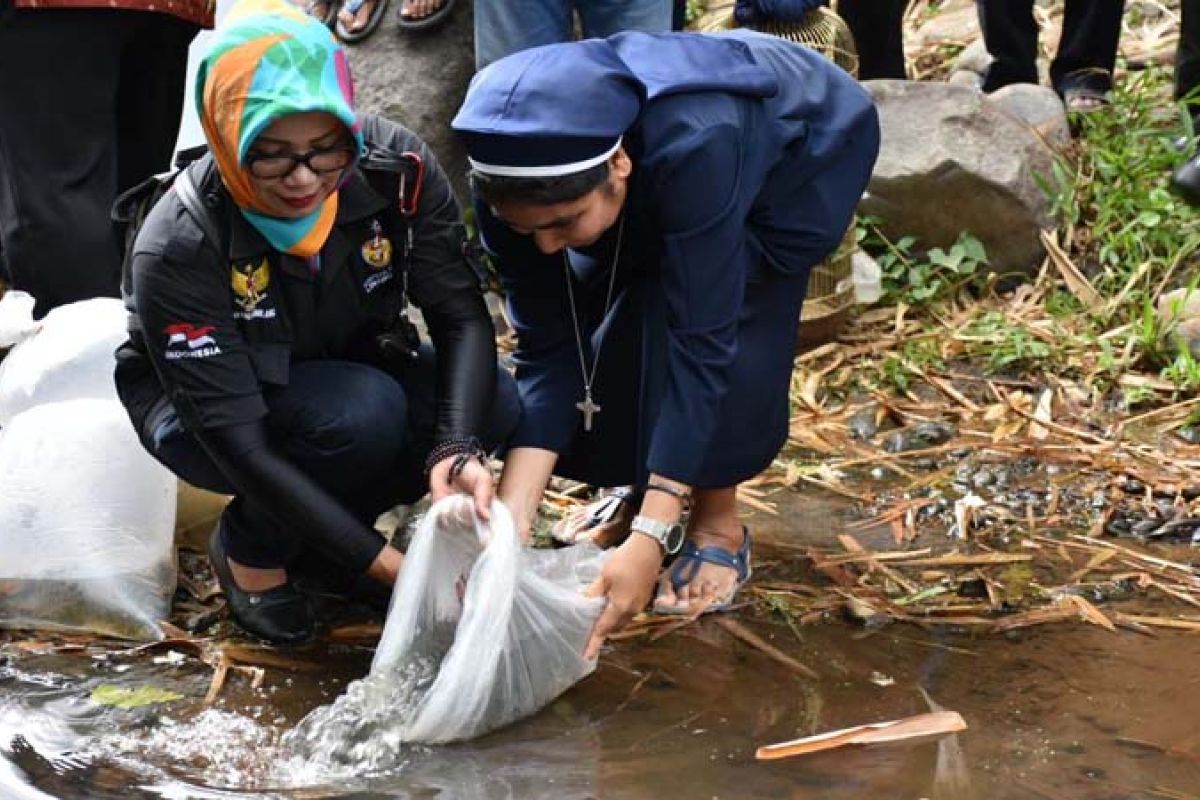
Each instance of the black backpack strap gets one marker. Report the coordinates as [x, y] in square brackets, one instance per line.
[189, 195]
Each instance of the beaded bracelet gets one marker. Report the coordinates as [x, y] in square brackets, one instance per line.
[464, 448]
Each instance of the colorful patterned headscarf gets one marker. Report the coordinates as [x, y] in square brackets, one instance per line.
[270, 59]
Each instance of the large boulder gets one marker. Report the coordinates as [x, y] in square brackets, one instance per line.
[419, 79]
[1038, 107]
[952, 161]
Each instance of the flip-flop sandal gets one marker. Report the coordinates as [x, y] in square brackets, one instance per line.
[425, 23]
[600, 512]
[353, 37]
[1083, 100]
[331, 11]
[687, 565]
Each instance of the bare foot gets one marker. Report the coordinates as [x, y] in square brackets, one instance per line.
[355, 21]
[580, 525]
[711, 583]
[419, 9]
[316, 8]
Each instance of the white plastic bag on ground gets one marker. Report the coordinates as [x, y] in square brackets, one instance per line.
[86, 523]
[67, 355]
[448, 669]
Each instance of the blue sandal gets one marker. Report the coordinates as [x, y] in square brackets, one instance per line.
[687, 565]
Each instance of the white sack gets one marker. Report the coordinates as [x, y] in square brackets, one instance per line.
[448, 669]
[87, 520]
[67, 355]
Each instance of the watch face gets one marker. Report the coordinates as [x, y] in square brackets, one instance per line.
[673, 541]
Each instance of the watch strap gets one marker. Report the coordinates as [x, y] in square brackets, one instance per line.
[657, 530]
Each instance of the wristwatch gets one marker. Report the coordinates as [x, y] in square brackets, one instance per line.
[669, 535]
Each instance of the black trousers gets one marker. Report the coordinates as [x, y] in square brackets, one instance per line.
[90, 103]
[361, 433]
[1187, 60]
[1086, 53]
[878, 28]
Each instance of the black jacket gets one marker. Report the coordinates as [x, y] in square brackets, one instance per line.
[212, 324]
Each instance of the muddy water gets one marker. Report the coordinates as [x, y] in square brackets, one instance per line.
[1063, 711]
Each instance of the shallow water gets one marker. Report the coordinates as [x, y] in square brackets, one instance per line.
[1065, 711]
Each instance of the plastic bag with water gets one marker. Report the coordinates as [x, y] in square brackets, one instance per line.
[67, 355]
[482, 631]
[87, 521]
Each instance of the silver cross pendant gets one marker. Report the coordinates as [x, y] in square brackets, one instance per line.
[589, 409]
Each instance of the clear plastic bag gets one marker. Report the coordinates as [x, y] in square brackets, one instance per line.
[67, 355]
[482, 631]
[87, 520]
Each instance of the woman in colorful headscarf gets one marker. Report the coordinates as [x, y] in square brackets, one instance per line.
[271, 356]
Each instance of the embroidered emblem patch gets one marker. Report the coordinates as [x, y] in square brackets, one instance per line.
[185, 340]
[377, 251]
[250, 282]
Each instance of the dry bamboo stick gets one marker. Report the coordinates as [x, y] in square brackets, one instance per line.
[754, 640]
[981, 559]
[851, 544]
[898, 555]
[921, 726]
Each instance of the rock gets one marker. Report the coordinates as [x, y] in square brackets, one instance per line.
[419, 80]
[1179, 315]
[1038, 107]
[952, 161]
[974, 59]
[963, 77]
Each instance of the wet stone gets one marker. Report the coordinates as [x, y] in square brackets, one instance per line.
[919, 437]
[863, 424]
[1190, 434]
[982, 479]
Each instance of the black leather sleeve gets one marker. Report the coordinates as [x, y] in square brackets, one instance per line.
[465, 342]
[257, 473]
[449, 292]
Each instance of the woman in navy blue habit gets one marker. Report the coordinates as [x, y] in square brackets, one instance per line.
[653, 204]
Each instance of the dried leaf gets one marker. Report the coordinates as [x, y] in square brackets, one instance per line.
[127, 697]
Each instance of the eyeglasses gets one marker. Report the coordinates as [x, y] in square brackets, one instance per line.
[320, 160]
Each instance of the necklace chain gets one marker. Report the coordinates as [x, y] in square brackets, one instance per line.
[587, 406]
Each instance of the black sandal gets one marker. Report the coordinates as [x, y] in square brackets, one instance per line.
[425, 23]
[281, 615]
[353, 37]
[330, 15]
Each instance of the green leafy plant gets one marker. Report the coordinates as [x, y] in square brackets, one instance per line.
[916, 277]
[1007, 345]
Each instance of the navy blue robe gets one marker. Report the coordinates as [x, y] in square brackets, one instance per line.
[748, 164]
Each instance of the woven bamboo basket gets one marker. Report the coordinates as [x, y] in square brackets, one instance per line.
[830, 285]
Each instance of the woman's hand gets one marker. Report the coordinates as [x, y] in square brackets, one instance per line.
[627, 581]
[475, 479]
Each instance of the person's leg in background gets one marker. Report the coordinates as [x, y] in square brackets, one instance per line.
[1087, 52]
[58, 143]
[878, 29]
[1010, 33]
[1186, 179]
[1187, 57]
[606, 17]
[503, 27]
[150, 96]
